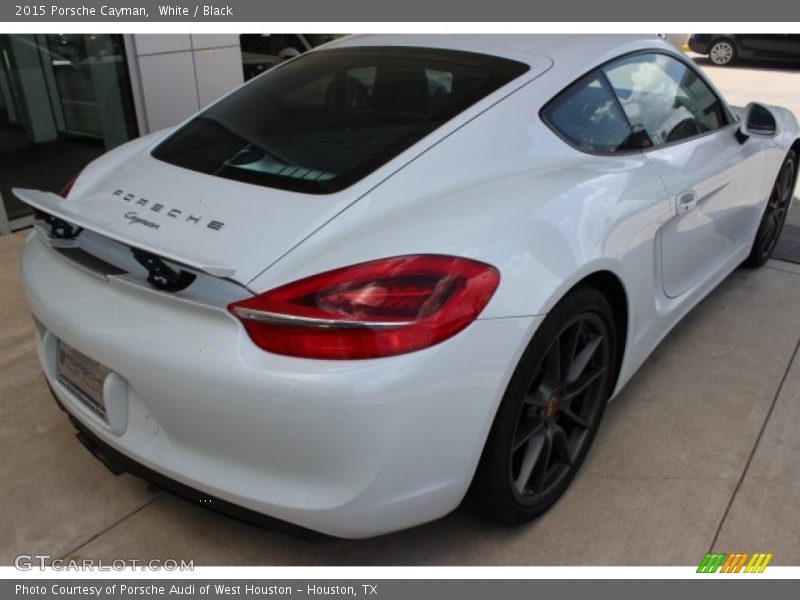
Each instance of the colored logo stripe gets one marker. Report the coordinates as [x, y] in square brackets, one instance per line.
[758, 563]
[711, 562]
[734, 562]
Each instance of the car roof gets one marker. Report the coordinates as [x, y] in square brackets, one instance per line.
[563, 57]
[569, 51]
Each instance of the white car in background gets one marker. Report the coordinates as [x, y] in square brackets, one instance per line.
[398, 271]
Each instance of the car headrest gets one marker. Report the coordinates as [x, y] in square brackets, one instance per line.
[401, 89]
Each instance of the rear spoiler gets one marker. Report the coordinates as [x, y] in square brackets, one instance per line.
[54, 205]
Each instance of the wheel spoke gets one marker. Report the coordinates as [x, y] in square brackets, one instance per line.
[576, 388]
[572, 339]
[570, 414]
[766, 236]
[535, 481]
[774, 199]
[536, 395]
[552, 366]
[581, 361]
[776, 225]
[527, 428]
[533, 454]
[533, 399]
[561, 445]
[786, 180]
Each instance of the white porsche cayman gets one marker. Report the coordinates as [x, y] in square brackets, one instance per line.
[397, 271]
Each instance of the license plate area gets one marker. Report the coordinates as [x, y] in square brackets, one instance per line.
[82, 376]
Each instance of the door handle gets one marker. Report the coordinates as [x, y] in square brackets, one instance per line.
[686, 201]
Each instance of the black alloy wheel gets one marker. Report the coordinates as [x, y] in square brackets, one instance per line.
[780, 199]
[550, 413]
[560, 407]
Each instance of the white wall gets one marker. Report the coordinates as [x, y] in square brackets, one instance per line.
[178, 74]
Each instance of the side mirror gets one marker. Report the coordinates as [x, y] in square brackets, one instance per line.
[757, 120]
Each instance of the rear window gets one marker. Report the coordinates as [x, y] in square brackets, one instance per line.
[321, 122]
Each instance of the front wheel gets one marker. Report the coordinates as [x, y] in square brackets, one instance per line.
[771, 225]
[550, 412]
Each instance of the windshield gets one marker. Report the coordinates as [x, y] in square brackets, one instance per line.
[321, 122]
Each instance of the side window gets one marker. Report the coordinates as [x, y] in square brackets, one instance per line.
[588, 117]
[664, 98]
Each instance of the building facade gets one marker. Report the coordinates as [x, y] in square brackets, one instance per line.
[67, 98]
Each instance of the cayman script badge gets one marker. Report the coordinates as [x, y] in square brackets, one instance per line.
[135, 218]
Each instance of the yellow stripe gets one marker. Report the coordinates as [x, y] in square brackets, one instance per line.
[751, 565]
[760, 559]
[766, 562]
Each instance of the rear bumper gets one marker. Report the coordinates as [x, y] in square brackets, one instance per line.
[119, 463]
[347, 448]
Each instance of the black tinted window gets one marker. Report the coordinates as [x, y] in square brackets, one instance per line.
[588, 117]
[664, 98]
[321, 122]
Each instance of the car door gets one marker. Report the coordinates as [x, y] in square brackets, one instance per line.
[758, 44]
[690, 138]
[788, 46]
[769, 45]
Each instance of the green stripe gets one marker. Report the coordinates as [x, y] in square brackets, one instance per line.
[701, 568]
[711, 562]
[718, 563]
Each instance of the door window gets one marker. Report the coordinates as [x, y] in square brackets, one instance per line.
[664, 98]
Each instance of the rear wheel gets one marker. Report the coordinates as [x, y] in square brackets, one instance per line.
[550, 412]
[722, 52]
[769, 230]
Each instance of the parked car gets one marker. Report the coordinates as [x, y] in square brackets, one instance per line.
[725, 48]
[262, 51]
[398, 271]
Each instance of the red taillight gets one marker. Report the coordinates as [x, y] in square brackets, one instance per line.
[64, 192]
[38, 216]
[379, 308]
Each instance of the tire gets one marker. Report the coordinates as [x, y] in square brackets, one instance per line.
[505, 487]
[722, 52]
[774, 217]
